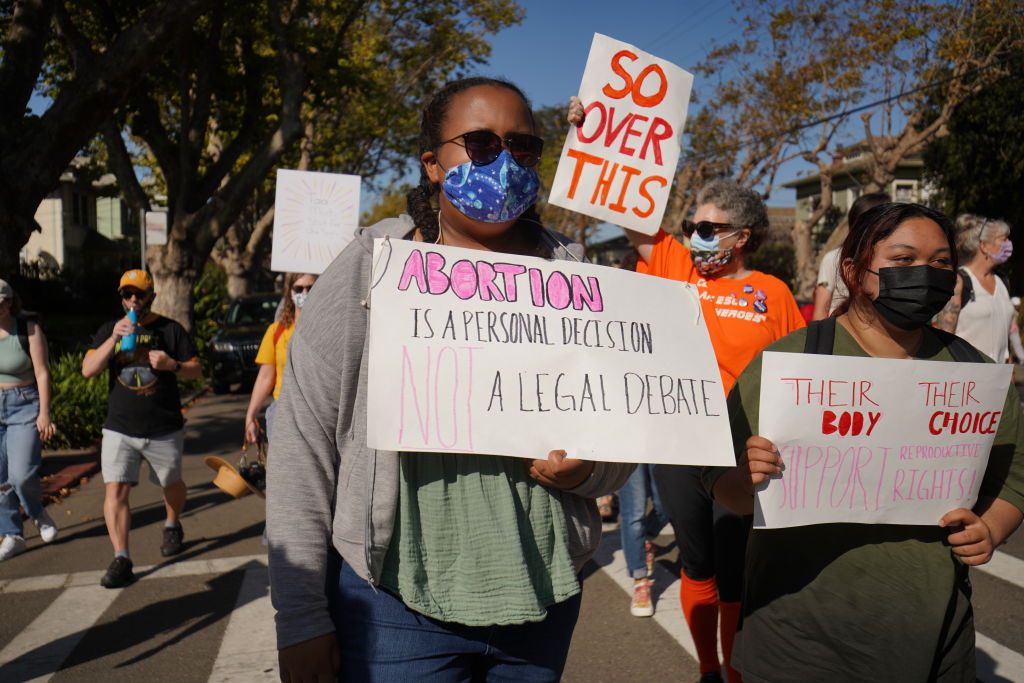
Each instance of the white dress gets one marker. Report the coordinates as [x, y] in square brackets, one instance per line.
[985, 321]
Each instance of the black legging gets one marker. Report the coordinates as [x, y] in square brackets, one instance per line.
[712, 541]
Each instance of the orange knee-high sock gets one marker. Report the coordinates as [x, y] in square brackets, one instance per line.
[730, 617]
[700, 607]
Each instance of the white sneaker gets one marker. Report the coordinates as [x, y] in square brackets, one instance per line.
[642, 605]
[11, 546]
[47, 529]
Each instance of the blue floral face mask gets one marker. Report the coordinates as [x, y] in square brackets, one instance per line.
[708, 255]
[493, 193]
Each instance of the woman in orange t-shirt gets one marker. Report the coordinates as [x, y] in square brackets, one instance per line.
[745, 310]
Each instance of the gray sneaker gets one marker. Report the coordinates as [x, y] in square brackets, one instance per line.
[47, 528]
[11, 546]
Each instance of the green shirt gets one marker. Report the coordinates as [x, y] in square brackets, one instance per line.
[477, 541]
[860, 602]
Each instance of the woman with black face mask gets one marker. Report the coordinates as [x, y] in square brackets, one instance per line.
[860, 602]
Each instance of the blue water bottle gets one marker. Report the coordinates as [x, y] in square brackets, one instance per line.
[128, 341]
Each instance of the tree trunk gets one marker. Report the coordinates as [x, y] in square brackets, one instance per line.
[806, 270]
[16, 225]
[239, 285]
[175, 270]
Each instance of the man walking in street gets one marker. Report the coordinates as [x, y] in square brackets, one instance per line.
[144, 418]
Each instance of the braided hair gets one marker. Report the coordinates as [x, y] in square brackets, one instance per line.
[418, 199]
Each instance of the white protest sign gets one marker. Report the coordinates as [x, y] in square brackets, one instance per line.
[481, 352]
[156, 227]
[315, 216]
[618, 166]
[875, 440]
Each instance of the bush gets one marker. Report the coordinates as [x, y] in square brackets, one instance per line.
[78, 406]
[209, 294]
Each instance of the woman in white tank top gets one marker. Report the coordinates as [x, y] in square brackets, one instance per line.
[980, 310]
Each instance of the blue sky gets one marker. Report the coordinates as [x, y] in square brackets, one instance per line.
[545, 55]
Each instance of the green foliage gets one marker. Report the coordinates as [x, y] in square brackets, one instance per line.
[774, 258]
[389, 204]
[210, 292]
[978, 167]
[78, 406]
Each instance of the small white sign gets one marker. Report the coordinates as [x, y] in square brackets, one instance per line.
[156, 227]
[619, 165]
[315, 217]
[875, 440]
[480, 352]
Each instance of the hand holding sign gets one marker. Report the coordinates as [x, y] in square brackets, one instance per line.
[618, 165]
[874, 440]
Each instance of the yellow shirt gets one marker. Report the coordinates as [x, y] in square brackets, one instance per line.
[276, 354]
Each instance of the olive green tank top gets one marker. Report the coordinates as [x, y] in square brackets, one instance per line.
[15, 364]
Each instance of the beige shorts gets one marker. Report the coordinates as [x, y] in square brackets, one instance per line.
[122, 456]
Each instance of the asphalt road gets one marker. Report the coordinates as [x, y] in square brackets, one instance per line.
[205, 615]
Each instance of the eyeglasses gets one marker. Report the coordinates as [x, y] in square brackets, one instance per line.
[127, 294]
[484, 146]
[299, 289]
[707, 229]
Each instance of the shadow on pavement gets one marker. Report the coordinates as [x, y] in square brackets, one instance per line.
[160, 624]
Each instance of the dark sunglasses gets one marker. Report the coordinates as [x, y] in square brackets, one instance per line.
[484, 146]
[127, 294]
[707, 229]
[299, 289]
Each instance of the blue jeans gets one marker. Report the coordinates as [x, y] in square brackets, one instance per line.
[20, 457]
[383, 640]
[635, 524]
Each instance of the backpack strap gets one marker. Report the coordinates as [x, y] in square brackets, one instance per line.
[961, 351]
[22, 325]
[821, 334]
[278, 332]
[967, 288]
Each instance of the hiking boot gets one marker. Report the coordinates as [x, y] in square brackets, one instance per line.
[641, 605]
[119, 573]
[47, 529]
[173, 536]
[11, 545]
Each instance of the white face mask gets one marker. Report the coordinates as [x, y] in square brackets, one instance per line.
[299, 299]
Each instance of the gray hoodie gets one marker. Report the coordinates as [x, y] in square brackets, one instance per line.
[323, 482]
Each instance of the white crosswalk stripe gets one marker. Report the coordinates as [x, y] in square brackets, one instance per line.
[39, 650]
[248, 652]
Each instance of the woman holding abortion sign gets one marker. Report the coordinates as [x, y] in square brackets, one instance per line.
[859, 602]
[390, 566]
[745, 310]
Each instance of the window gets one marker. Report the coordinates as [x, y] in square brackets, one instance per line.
[904, 192]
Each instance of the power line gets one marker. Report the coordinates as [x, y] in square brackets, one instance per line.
[692, 17]
[854, 110]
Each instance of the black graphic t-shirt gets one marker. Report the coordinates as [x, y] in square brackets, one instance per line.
[144, 402]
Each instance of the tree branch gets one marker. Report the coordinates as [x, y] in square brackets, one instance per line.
[23, 52]
[121, 163]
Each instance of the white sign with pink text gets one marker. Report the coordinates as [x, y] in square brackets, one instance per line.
[619, 165]
[481, 352]
[875, 440]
